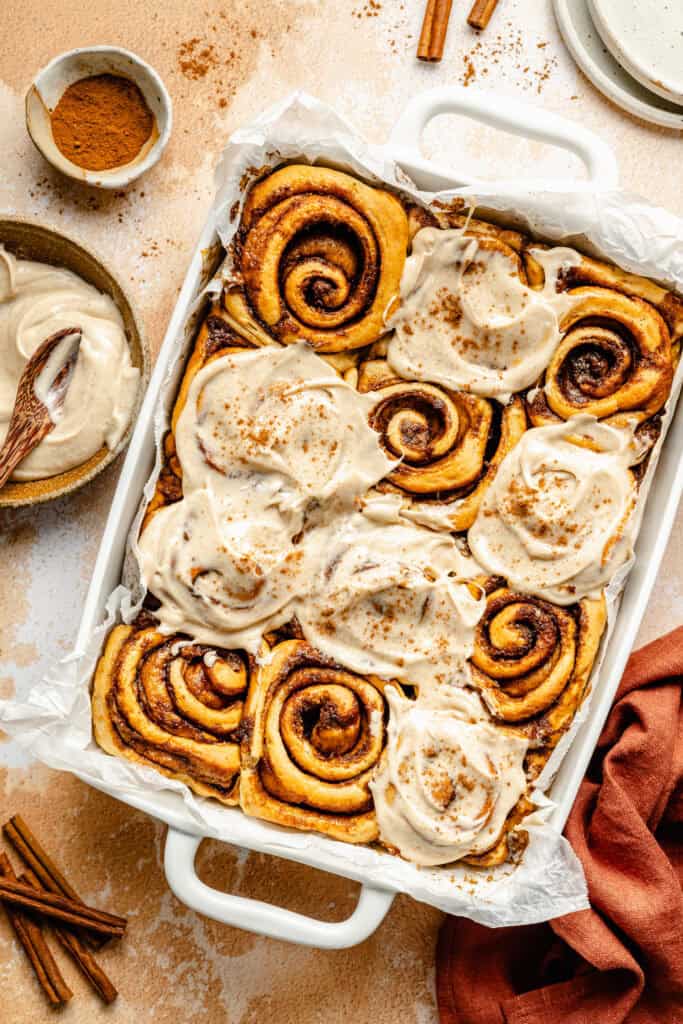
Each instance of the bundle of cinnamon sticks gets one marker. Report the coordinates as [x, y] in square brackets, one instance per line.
[41, 897]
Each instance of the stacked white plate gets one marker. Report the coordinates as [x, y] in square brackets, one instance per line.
[632, 50]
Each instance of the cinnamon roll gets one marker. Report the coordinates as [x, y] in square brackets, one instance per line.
[614, 361]
[448, 780]
[449, 443]
[468, 318]
[174, 705]
[313, 735]
[532, 659]
[321, 256]
[392, 599]
[556, 522]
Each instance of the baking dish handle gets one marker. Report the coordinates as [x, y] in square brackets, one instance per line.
[264, 918]
[503, 112]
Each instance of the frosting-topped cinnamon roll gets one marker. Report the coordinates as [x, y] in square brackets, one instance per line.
[555, 521]
[219, 575]
[297, 432]
[392, 599]
[447, 781]
[468, 320]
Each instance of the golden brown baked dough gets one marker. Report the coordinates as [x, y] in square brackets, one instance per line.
[532, 659]
[617, 356]
[312, 736]
[450, 443]
[162, 701]
[321, 256]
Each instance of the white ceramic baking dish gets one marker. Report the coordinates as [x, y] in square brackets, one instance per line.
[183, 837]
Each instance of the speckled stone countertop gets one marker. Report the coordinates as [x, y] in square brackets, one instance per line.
[222, 63]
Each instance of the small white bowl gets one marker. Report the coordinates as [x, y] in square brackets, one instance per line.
[49, 85]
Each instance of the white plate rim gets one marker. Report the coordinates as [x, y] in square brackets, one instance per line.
[624, 99]
[624, 55]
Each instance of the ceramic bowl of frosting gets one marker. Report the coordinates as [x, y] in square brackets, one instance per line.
[45, 279]
[63, 71]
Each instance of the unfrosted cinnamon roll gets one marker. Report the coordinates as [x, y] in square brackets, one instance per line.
[450, 443]
[321, 256]
[174, 705]
[313, 734]
[614, 361]
[532, 659]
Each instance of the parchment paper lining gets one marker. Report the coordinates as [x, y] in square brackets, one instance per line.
[54, 722]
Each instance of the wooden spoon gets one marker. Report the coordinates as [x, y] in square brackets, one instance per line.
[40, 396]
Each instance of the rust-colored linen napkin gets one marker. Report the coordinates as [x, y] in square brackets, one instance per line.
[621, 962]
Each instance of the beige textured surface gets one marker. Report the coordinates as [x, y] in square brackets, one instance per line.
[222, 63]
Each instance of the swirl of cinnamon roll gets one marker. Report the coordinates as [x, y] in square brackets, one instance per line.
[321, 256]
[614, 361]
[449, 443]
[313, 735]
[532, 659]
[447, 781]
[173, 705]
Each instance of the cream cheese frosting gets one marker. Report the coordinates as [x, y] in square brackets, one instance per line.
[265, 438]
[36, 301]
[448, 779]
[555, 521]
[467, 320]
[278, 427]
[391, 599]
[221, 576]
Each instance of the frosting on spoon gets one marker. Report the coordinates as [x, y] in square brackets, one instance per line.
[36, 301]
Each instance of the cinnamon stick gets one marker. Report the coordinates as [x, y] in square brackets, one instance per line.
[434, 28]
[79, 952]
[30, 935]
[61, 908]
[39, 861]
[481, 12]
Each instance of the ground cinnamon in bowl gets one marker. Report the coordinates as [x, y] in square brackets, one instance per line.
[102, 122]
